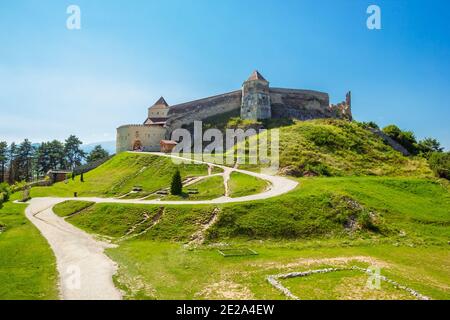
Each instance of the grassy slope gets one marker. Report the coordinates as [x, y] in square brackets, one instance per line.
[178, 223]
[321, 207]
[243, 185]
[209, 188]
[69, 207]
[27, 264]
[336, 147]
[414, 219]
[118, 176]
[411, 218]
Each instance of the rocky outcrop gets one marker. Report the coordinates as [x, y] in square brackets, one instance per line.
[388, 140]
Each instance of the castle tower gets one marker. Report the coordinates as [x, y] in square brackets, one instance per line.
[255, 98]
[157, 113]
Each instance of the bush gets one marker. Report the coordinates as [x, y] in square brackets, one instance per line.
[369, 124]
[325, 137]
[317, 168]
[440, 164]
[176, 187]
[366, 221]
[406, 138]
[5, 192]
[429, 145]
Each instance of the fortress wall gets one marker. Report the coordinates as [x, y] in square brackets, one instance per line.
[299, 104]
[149, 136]
[186, 113]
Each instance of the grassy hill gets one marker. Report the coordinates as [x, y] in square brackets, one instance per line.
[400, 223]
[371, 205]
[331, 147]
[119, 175]
[390, 209]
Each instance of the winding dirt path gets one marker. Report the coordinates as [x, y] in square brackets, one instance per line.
[85, 271]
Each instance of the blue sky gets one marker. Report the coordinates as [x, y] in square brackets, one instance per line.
[55, 82]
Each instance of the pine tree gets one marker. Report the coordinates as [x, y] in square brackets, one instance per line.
[12, 176]
[25, 155]
[176, 187]
[74, 155]
[96, 154]
[3, 159]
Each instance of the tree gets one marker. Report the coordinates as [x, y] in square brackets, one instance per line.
[43, 158]
[74, 155]
[96, 154]
[440, 164]
[56, 157]
[369, 124]
[12, 163]
[25, 154]
[3, 159]
[406, 138]
[81, 177]
[392, 131]
[428, 146]
[176, 187]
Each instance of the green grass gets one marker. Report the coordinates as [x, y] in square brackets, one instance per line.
[120, 174]
[342, 285]
[114, 220]
[243, 185]
[70, 207]
[27, 264]
[177, 223]
[400, 208]
[208, 188]
[330, 147]
[163, 270]
[290, 233]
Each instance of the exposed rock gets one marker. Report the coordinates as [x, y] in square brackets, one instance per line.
[389, 141]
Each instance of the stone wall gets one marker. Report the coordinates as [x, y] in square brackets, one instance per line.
[300, 104]
[147, 136]
[187, 113]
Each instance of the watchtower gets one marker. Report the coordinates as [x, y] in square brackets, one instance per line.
[255, 98]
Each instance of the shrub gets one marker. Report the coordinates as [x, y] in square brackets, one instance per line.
[318, 168]
[176, 187]
[406, 138]
[324, 137]
[369, 124]
[5, 192]
[440, 164]
[429, 145]
[366, 221]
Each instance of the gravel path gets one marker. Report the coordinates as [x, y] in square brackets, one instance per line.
[85, 272]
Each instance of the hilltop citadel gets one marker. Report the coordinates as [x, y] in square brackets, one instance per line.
[256, 100]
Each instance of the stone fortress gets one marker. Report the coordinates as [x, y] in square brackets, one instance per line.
[256, 100]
